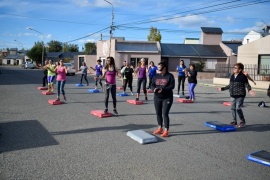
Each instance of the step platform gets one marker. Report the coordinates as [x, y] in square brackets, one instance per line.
[142, 137]
[220, 126]
[100, 113]
[119, 88]
[132, 101]
[227, 103]
[47, 93]
[79, 85]
[93, 90]
[54, 102]
[262, 157]
[182, 100]
[181, 96]
[42, 88]
[122, 94]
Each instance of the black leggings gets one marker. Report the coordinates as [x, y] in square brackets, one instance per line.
[163, 107]
[85, 77]
[150, 82]
[44, 80]
[129, 82]
[181, 78]
[139, 82]
[111, 88]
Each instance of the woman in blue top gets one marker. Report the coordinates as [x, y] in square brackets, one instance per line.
[181, 69]
[84, 69]
[98, 68]
[152, 69]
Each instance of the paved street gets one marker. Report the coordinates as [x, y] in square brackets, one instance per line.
[41, 141]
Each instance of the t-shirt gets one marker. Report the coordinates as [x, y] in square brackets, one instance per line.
[52, 68]
[152, 71]
[98, 69]
[180, 70]
[84, 69]
[142, 72]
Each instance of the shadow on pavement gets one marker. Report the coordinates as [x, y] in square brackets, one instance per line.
[25, 134]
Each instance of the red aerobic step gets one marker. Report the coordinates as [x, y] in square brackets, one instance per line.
[119, 88]
[54, 102]
[47, 93]
[42, 88]
[227, 103]
[132, 101]
[182, 100]
[100, 113]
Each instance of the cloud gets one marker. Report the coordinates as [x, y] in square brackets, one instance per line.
[256, 27]
[99, 3]
[190, 21]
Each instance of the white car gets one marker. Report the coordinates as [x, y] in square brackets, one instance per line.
[29, 65]
[71, 69]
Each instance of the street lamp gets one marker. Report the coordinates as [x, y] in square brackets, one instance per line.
[111, 26]
[42, 43]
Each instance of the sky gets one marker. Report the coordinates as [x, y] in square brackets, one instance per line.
[81, 21]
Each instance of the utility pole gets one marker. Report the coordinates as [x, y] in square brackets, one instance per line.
[112, 28]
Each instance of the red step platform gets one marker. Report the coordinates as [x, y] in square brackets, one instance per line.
[227, 103]
[100, 113]
[54, 102]
[47, 93]
[119, 88]
[132, 101]
[42, 88]
[182, 100]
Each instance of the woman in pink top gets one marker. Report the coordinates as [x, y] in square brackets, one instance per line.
[61, 71]
[109, 74]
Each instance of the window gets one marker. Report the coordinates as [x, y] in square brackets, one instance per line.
[81, 60]
[134, 61]
[264, 64]
[211, 63]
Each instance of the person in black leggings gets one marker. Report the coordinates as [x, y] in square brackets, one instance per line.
[181, 70]
[127, 74]
[44, 79]
[163, 84]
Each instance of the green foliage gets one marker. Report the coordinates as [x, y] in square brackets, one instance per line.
[89, 47]
[154, 35]
[200, 66]
[35, 53]
[70, 47]
[54, 46]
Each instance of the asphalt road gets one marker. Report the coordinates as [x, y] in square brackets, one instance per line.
[41, 141]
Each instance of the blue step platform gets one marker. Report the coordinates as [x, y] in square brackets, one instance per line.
[262, 157]
[93, 90]
[122, 94]
[220, 126]
[79, 85]
[142, 137]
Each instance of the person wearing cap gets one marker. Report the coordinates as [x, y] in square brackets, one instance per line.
[98, 68]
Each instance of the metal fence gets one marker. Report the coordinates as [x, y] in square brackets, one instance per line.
[257, 73]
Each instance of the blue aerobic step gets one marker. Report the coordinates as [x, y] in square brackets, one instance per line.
[93, 90]
[122, 94]
[79, 85]
[142, 137]
[262, 157]
[220, 126]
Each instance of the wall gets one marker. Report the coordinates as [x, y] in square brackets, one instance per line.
[90, 60]
[248, 53]
[211, 39]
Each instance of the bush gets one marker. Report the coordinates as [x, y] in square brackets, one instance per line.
[200, 66]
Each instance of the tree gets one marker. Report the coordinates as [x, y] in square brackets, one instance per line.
[54, 46]
[35, 53]
[89, 47]
[154, 35]
[70, 47]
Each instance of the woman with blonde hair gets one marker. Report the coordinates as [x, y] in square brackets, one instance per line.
[141, 70]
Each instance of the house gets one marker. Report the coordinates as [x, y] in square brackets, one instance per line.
[253, 35]
[15, 57]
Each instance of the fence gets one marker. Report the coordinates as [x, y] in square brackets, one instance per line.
[257, 73]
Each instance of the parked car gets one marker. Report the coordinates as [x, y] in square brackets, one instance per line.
[71, 68]
[23, 65]
[29, 65]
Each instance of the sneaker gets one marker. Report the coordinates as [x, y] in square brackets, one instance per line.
[234, 123]
[158, 131]
[137, 99]
[95, 87]
[241, 124]
[106, 110]
[115, 112]
[165, 133]
[131, 93]
[183, 93]
[64, 97]
[146, 99]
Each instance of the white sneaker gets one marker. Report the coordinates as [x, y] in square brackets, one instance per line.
[131, 93]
